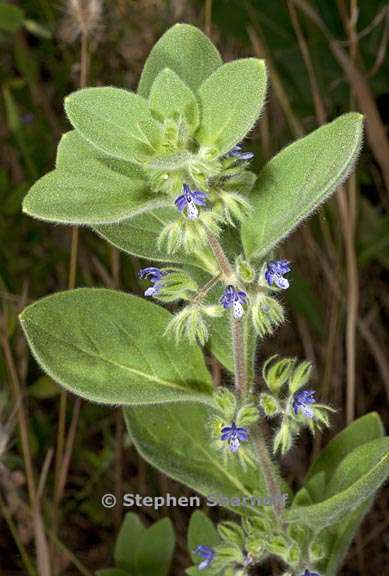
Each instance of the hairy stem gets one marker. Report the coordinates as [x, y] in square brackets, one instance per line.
[205, 289]
[220, 256]
[239, 352]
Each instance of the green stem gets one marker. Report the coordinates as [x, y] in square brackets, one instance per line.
[205, 289]
[263, 455]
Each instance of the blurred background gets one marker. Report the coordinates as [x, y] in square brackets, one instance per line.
[58, 455]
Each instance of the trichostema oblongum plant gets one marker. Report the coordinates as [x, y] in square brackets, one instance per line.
[167, 174]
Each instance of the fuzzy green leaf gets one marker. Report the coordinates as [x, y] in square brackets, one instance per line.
[155, 548]
[231, 101]
[92, 192]
[165, 435]
[355, 481]
[130, 533]
[185, 50]
[73, 149]
[109, 347]
[296, 181]
[170, 97]
[115, 121]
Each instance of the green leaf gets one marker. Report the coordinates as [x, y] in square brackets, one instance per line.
[201, 530]
[11, 17]
[109, 347]
[296, 181]
[139, 236]
[155, 549]
[116, 121]
[231, 101]
[364, 429]
[92, 192]
[126, 545]
[356, 479]
[185, 50]
[176, 439]
[73, 149]
[170, 97]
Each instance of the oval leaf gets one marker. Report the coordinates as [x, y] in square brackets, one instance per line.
[231, 101]
[170, 97]
[116, 121]
[166, 435]
[296, 181]
[109, 347]
[155, 548]
[185, 50]
[90, 193]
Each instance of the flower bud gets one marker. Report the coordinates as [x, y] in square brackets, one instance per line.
[244, 270]
[226, 401]
[269, 405]
[278, 545]
[227, 554]
[277, 372]
[283, 439]
[294, 555]
[231, 532]
[266, 314]
[300, 376]
[247, 415]
[317, 551]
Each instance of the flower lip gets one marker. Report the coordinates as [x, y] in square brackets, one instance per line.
[235, 435]
[155, 276]
[237, 152]
[189, 199]
[205, 552]
[274, 273]
[302, 401]
[235, 299]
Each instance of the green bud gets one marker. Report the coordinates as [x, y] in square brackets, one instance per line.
[269, 404]
[227, 554]
[190, 324]
[294, 555]
[231, 206]
[247, 415]
[244, 271]
[317, 551]
[277, 372]
[266, 314]
[231, 532]
[176, 285]
[213, 310]
[301, 375]
[283, 439]
[255, 546]
[258, 525]
[226, 401]
[278, 545]
[297, 533]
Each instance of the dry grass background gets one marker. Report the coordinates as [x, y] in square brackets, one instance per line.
[59, 455]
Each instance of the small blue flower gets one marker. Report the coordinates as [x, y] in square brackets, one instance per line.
[275, 273]
[189, 199]
[309, 573]
[204, 552]
[302, 401]
[235, 435]
[234, 299]
[155, 276]
[236, 152]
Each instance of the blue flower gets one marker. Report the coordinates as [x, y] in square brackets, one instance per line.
[309, 573]
[155, 276]
[302, 401]
[235, 435]
[204, 552]
[275, 273]
[234, 299]
[189, 199]
[236, 152]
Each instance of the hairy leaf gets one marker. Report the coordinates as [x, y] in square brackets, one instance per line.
[296, 181]
[176, 439]
[92, 192]
[130, 533]
[356, 479]
[170, 97]
[154, 550]
[231, 101]
[116, 121]
[185, 50]
[109, 347]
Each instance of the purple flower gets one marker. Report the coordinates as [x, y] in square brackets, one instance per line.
[302, 401]
[275, 271]
[206, 553]
[235, 435]
[236, 152]
[189, 199]
[155, 276]
[309, 573]
[234, 299]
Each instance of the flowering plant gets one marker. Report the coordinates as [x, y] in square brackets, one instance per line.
[163, 174]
